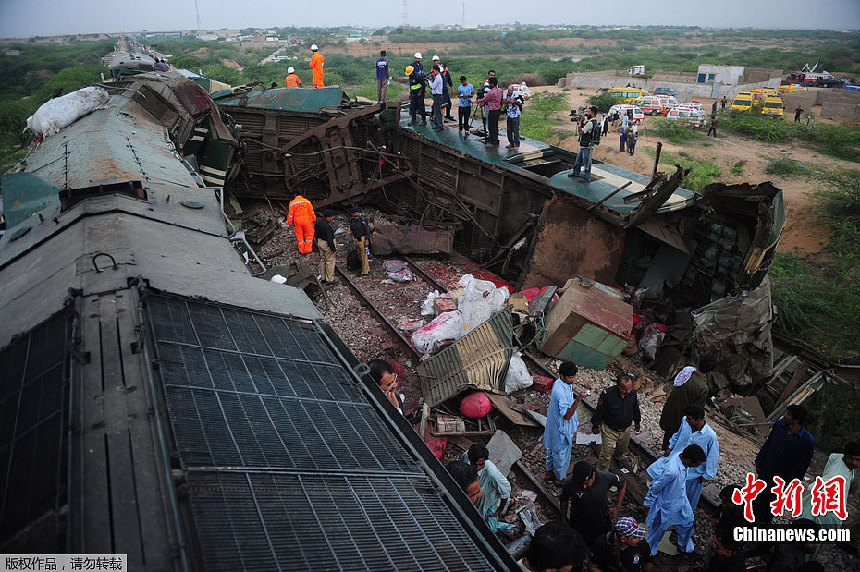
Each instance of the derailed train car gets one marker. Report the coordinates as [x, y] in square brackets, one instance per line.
[157, 400]
[521, 216]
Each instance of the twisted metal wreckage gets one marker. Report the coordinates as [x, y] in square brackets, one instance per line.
[702, 258]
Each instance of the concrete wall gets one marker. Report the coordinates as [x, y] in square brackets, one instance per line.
[724, 74]
[840, 104]
[687, 90]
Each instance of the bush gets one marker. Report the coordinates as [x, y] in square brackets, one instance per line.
[784, 167]
[547, 103]
[702, 173]
[603, 101]
[674, 131]
[843, 194]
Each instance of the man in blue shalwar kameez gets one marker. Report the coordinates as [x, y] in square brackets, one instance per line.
[667, 497]
[694, 431]
[561, 422]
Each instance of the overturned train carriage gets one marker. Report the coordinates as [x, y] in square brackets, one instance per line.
[158, 401]
[520, 215]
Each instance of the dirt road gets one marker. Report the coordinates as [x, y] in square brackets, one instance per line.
[805, 231]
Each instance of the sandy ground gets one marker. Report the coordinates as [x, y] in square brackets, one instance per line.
[805, 231]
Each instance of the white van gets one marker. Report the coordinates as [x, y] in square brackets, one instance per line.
[687, 115]
[650, 105]
[634, 112]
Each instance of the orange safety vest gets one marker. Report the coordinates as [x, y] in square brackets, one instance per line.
[293, 80]
[317, 63]
[301, 209]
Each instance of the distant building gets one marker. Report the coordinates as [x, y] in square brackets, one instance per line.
[13, 52]
[726, 75]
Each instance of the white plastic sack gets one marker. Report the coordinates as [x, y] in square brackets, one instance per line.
[481, 300]
[427, 304]
[63, 111]
[278, 279]
[518, 374]
[446, 326]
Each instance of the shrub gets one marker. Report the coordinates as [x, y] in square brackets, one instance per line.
[603, 101]
[784, 167]
[547, 103]
[674, 131]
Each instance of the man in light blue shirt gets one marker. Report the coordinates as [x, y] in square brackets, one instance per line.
[436, 92]
[465, 91]
[494, 485]
[667, 497]
[694, 431]
[561, 422]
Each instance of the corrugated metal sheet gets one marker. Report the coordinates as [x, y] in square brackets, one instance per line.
[479, 360]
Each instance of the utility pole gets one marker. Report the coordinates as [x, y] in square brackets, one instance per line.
[405, 14]
[197, 9]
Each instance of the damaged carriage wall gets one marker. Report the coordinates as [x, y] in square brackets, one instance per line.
[574, 242]
[495, 206]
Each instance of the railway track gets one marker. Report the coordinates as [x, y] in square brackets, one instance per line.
[372, 298]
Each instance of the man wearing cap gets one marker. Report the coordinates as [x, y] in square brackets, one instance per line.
[302, 216]
[317, 64]
[382, 77]
[418, 66]
[561, 422]
[416, 95]
[586, 492]
[360, 229]
[621, 549]
[292, 80]
[668, 502]
[325, 243]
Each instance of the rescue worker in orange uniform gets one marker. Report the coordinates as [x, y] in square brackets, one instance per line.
[292, 80]
[317, 64]
[303, 217]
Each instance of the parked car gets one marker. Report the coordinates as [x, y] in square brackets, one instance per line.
[650, 105]
[522, 90]
[694, 105]
[626, 94]
[773, 106]
[743, 101]
[666, 91]
[687, 115]
[634, 112]
[668, 102]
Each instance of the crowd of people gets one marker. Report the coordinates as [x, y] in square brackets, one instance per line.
[598, 536]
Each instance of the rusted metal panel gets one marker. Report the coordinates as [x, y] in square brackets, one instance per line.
[478, 360]
[571, 242]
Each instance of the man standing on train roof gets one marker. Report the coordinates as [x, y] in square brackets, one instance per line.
[317, 64]
[302, 216]
[447, 84]
[418, 67]
[561, 423]
[292, 80]
[383, 78]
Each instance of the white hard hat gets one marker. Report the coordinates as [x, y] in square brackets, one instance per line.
[435, 58]
[418, 55]
[291, 69]
[314, 47]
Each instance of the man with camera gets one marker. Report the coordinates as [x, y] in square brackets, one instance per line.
[587, 130]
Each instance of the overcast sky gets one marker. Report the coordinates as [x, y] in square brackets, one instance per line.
[23, 18]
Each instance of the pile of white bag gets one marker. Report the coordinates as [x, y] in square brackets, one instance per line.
[63, 111]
